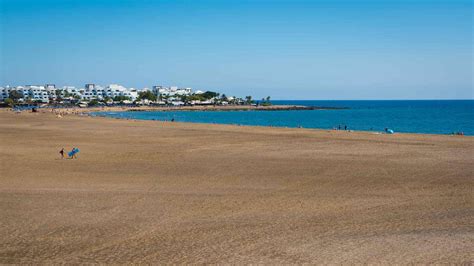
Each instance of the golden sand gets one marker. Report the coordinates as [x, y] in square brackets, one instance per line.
[147, 191]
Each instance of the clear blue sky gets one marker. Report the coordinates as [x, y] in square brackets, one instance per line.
[286, 49]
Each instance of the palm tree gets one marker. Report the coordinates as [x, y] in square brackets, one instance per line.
[248, 99]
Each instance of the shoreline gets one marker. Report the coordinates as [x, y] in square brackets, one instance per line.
[270, 126]
[87, 112]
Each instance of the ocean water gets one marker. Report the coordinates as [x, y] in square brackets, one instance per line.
[427, 116]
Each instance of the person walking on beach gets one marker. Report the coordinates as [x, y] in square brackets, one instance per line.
[73, 153]
[62, 153]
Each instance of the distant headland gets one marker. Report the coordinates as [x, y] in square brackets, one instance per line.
[158, 98]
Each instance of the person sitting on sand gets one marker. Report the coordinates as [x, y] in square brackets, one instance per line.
[62, 153]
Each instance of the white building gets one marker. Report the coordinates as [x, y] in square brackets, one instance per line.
[172, 91]
[4, 93]
[48, 92]
[35, 93]
[156, 89]
[70, 90]
[114, 90]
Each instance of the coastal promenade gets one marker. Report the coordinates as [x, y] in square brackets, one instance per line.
[152, 191]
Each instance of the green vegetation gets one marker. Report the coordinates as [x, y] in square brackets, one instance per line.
[248, 100]
[59, 95]
[209, 94]
[106, 99]
[121, 98]
[67, 94]
[93, 102]
[9, 102]
[146, 95]
[200, 97]
[266, 101]
[15, 95]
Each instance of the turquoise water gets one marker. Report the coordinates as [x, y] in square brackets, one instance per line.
[433, 117]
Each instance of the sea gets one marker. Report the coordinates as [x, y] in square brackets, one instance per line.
[409, 116]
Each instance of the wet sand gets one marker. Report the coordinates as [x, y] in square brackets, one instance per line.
[148, 191]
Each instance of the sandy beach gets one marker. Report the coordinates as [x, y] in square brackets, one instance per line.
[162, 192]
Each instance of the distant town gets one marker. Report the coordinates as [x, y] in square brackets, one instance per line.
[114, 94]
